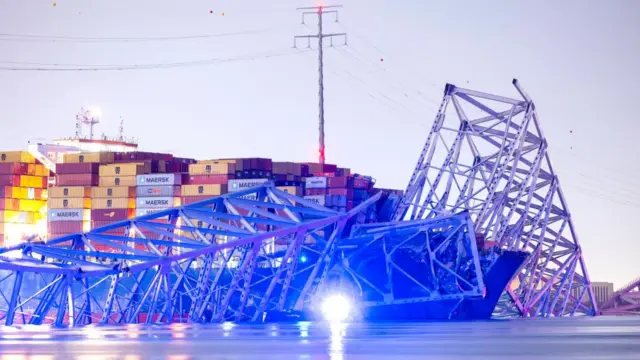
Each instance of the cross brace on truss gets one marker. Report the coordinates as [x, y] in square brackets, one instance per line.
[487, 154]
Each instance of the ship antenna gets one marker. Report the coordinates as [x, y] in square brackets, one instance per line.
[121, 129]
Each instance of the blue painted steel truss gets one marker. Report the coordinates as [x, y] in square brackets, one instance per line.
[223, 259]
[387, 264]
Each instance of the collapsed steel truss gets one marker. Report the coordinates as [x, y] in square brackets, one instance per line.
[487, 154]
[625, 301]
[412, 262]
[228, 258]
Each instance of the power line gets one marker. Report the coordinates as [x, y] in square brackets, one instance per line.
[67, 67]
[51, 38]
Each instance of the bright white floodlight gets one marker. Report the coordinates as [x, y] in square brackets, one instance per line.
[336, 308]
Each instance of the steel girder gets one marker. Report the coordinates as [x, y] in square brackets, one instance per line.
[227, 258]
[487, 154]
[625, 301]
[410, 262]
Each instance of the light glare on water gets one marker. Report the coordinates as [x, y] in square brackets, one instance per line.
[577, 338]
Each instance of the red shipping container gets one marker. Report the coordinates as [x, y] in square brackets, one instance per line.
[186, 200]
[13, 169]
[111, 214]
[65, 227]
[77, 180]
[55, 235]
[9, 180]
[330, 168]
[313, 192]
[342, 192]
[337, 182]
[210, 179]
[77, 168]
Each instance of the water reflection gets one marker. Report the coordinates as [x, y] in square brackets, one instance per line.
[338, 332]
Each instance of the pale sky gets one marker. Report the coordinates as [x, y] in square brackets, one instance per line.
[577, 59]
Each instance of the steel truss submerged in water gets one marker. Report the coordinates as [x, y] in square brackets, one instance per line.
[227, 258]
[487, 154]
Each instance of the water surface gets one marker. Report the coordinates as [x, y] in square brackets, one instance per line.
[567, 338]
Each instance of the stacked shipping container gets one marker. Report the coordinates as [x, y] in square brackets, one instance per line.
[97, 189]
[70, 199]
[23, 196]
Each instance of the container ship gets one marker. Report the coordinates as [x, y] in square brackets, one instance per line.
[75, 184]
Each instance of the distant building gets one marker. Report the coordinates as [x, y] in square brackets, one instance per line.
[603, 291]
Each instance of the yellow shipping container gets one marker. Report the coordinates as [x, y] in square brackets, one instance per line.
[17, 157]
[18, 217]
[106, 181]
[212, 167]
[130, 169]
[100, 157]
[32, 205]
[116, 203]
[71, 203]
[45, 194]
[69, 192]
[293, 190]
[29, 181]
[208, 189]
[227, 161]
[112, 192]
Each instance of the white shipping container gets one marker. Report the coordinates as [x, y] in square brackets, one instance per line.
[155, 191]
[249, 197]
[316, 182]
[316, 199]
[159, 179]
[156, 202]
[243, 184]
[68, 215]
[143, 212]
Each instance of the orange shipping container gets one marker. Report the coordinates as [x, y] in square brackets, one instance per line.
[101, 157]
[69, 192]
[71, 203]
[125, 169]
[107, 181]
[37, 170]
[17, 157]
[113, 192]
[116, 203]
[9, 204]
[208, 189]
[212, 167]
[293, 190]
[38, 182]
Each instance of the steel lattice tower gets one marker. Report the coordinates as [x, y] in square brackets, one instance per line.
[487, 154]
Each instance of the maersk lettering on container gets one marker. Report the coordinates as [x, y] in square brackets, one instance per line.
[143, 212]
[67, 215]
[159, 179]
[316, 182]
[156, 202]
[243, 184]
[316, 199]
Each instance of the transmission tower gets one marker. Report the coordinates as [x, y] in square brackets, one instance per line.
[319, 10]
